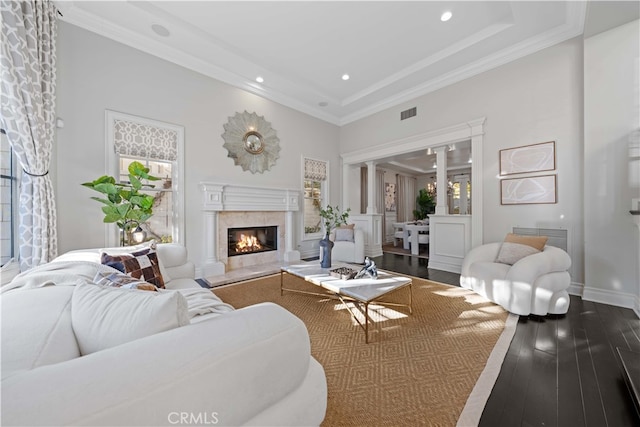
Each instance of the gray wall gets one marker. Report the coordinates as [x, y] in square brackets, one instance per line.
[95, 73]
[612, 180]
[535, 99]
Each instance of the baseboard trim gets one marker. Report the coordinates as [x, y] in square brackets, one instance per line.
[612, 297]
[451, 268]
[576, 289]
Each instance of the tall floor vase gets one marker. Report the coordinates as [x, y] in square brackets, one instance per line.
[325, 248]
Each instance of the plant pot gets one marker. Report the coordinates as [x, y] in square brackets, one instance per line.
[325, 251]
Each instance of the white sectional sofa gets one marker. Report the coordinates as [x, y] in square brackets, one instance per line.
[250, 366]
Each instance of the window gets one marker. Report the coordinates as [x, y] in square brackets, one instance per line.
[160, 225]
[8, 201]
[314, 185]
[160, 147]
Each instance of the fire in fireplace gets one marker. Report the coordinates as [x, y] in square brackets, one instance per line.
[250, 240]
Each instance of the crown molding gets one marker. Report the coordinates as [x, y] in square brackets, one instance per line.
[430, 60]
[574, 25]
[90, 22]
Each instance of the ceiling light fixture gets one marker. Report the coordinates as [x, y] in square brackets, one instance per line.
[345, 77]
[323, 103]
[259, 79]
[160, 30]
[446, 16]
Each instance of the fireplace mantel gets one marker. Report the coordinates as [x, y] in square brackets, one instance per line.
[219, 197]
[225, 197]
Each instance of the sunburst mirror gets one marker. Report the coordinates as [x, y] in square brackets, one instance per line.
[251, 141]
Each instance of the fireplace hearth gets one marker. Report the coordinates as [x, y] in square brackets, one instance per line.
[251, 240]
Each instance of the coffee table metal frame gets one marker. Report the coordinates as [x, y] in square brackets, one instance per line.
[331, 285]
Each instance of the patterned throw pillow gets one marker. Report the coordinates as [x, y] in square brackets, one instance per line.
[121, 280]
[142, 264]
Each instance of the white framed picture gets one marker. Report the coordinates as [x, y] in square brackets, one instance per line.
[529, 158]
[531, 190]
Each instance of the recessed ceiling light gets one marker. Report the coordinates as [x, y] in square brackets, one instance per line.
[345, 77]
[323, 103]
[160, 30]
[259, 79]
[446, 16]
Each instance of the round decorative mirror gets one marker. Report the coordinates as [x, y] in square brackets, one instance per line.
[251, 142]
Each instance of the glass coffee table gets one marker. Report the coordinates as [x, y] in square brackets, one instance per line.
[363, 291]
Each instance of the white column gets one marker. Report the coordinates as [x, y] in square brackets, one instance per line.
[212, 267]
[442, 183]
[290, 254]
[371, 188]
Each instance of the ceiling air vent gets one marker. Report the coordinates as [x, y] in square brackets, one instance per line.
[408, 113]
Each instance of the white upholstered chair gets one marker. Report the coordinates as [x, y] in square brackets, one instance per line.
[536, 284]
[346, 249]
[400, 233]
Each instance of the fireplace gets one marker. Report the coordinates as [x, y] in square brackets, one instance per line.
[251, 240]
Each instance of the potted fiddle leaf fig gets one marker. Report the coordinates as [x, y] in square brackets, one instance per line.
[124, 203]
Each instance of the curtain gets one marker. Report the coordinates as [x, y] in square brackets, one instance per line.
[380, 195]
[363, 190]
[147, 141]
[406, 192]
[28, 75]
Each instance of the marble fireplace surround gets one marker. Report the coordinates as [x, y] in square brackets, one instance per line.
[226, 205]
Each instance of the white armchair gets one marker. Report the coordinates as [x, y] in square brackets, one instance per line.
[348, 250]
[536, 284]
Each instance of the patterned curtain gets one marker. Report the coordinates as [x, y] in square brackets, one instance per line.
[141, 140]
[315, 170]
[28, 72]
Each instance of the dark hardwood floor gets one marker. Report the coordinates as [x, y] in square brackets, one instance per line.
[559, 370]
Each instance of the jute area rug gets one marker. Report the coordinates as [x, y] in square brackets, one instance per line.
[418, 369]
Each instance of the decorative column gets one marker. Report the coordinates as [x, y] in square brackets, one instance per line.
[211, 267]
[290, 254]
[371, 188]
[442, 183]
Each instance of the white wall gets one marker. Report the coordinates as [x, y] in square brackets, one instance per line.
[535, 99]
[612, 120]
[95, 73]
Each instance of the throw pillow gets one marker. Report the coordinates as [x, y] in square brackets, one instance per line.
[348, 226]
[104, 317]
[515, 247]
[121, 280]
[537, 242]
[344, 234]
[510, 253]
[142, 264]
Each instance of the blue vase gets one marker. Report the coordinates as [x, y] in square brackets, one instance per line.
[325, 247]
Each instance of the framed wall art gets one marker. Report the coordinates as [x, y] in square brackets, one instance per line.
[530, 190]
[529, 158]
[389, 197]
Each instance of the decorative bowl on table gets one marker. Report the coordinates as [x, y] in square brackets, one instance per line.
[343, 273]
